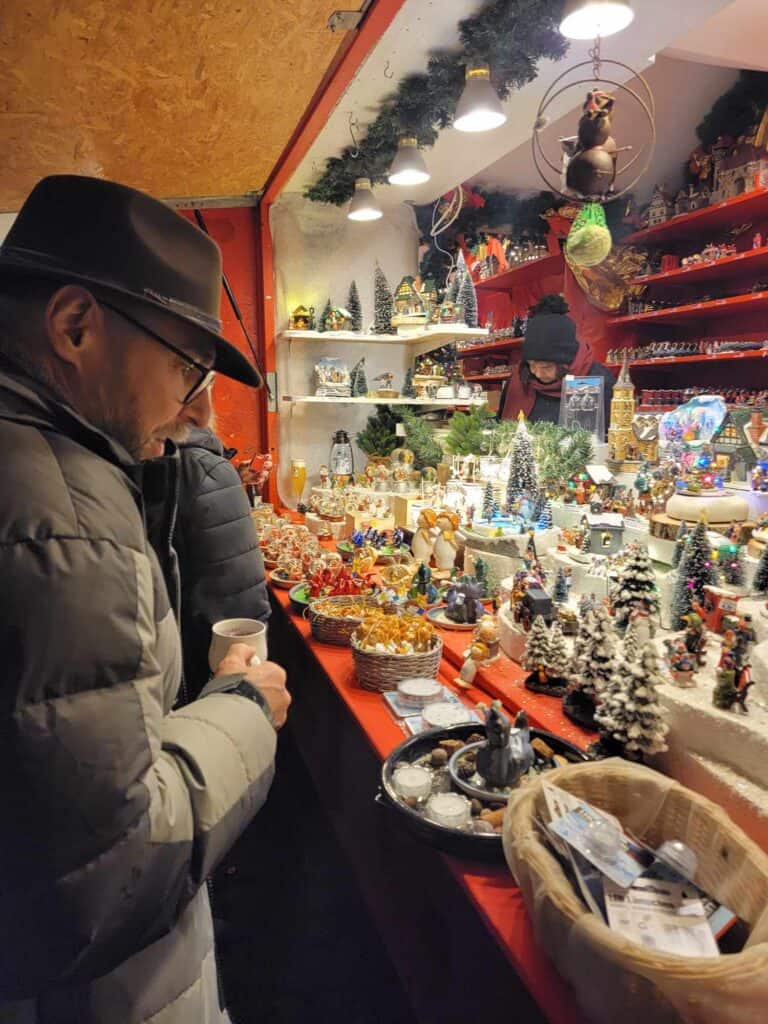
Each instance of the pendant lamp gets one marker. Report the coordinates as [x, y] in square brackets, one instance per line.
[479, 108]
[363, 205]
[408, 167]
[588, 19]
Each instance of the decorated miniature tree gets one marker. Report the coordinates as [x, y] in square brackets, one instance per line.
[730, 559]
[452, 290]
[593, 665]
[522, 468]
[559, 657]
[629, 717]
[560, 590]
[490, 507]
[696, 571]
[681, 539]
[467, 299]
[631, 645]
[760, 582]
[383, 304]
[354, 309]
[420, 438]
[409, 388]
[635, 588]
[357, 379]
[545, 519]
[324, 316]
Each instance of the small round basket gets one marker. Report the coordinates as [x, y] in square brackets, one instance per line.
[382, 672]
[615, 979]
[330, 625]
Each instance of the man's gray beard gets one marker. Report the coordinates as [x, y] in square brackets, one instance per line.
[127, 435]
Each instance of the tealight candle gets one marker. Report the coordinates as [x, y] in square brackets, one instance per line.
[419, 692]
[449, 809]
[412, 781]
[443, 714]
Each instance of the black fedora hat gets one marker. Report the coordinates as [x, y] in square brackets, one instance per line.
[131, 248]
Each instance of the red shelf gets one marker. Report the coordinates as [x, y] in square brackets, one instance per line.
[522, 273]
[489, 348]
[732, 306]
[487, 376]
[751, 261]
[751, 206]
[718, 357]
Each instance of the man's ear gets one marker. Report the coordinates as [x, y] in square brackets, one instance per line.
[72, 319]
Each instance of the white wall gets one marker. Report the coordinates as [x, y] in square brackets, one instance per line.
[6, 219]
[317, 253]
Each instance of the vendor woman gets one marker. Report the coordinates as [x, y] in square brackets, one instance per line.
[550, 351]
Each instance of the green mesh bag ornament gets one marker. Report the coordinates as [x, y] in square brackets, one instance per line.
[589, 240]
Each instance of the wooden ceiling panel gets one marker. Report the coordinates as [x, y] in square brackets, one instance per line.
[177, 97]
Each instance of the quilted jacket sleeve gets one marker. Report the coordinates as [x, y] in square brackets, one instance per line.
[113, 811]
[220, 564]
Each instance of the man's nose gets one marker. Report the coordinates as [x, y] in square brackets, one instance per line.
[199, 410]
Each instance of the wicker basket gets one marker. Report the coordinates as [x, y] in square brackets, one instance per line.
[381, 672]
[618, 980]
[336, 629]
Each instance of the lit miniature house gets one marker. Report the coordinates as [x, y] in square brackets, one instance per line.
[623, 447]
[741, 171]
[606, 532]
[302, 319]
[410, 309]
[659, 209]
[735, 453]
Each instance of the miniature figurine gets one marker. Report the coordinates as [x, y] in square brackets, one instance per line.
[422, 585]
[424, 538]
[488, 633]
[446, 547]
[681, 663]
[506, 756]
[463, 604]
[695, 637]
[325, 477]
[477, 654]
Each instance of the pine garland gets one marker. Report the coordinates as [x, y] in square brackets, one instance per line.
[420, 438]
[466, 431]
[511, 36]
[379, 437]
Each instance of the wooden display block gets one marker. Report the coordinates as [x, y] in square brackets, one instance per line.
[317, 524]
[406, 507]
[363, 520]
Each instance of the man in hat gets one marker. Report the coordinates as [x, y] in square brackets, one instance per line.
[114, 808]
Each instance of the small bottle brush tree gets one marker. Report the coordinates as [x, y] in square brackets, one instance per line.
[730, 559]
[696, 571]
[681, 539]
[760, 582]
[560, 591]
[593, 665]
[467, 299]
[545, 657]
[635, 587]
[558, 652]
[383, 304]
[522, 467]
[490, 506]
[631, 645]
[323, 316]
[452, 289]
[357, 379]
[409, 388]
[545, 519]
[354, 309]
[630, 718]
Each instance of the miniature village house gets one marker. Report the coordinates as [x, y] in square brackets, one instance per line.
[735, 453]
[632, 438]
[302, 319]
[718, 605]
[659, 209]
[606, 532]
[410, 309]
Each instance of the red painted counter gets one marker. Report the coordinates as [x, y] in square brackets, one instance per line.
[491, 890]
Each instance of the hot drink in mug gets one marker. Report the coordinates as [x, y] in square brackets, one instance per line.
[237, 631]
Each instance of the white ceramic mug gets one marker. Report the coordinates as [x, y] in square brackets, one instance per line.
[237, 631]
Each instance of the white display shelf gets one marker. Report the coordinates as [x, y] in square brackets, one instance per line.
[445, 403]
[440, 333]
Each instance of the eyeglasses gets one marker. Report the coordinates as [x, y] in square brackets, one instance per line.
[202, 375]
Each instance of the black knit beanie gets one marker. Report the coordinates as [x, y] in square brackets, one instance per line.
[550, 338]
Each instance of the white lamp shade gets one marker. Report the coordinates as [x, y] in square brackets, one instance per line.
[408, 167]
[363, 205]
[479, 108]
[588, 19]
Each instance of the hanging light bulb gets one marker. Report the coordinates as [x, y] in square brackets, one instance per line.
[408, 167]
[363, 205]
[479, 108]
[588, 19]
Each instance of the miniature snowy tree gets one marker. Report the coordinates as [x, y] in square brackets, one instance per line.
[467, 299]
[322, 318]
[696, 570]
[635, 587]
[558, 659]
[452, 291]
[409, 388]
[730, 558]
[522, 468]
[536, 657]
[631, 646]
[383, 304]
[681, 540]
[540, 500]
[560, 590]
[357, 379]
[594, 655]
[760, 582]
[630, 717]
[545, 519]
[490, 507]
[354, 308]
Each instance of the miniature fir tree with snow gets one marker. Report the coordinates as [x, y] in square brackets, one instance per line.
[452, 290]
[545, 519]
[545, 658]
[593, 666]
[560, 590]
[354, 309]
[730, 559]
[558, 653]
[635, 588]
[324, 316]
[409, 388]
[681, 540]
[522, 467]
[383, 304]
[357, 379]
[696, 571]
[630, 718]
[467, 299]
[760, 582]
[537, 646]
[490, 507]
[631, 645]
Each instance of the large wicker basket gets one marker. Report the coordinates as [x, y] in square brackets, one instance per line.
[618, 980]
[336, 629]
[382, 672]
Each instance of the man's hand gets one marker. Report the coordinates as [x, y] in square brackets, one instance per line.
[267, 677]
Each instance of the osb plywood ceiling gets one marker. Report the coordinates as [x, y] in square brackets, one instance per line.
[178, 97]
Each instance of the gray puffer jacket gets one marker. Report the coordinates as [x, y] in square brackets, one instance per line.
[114, 809]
